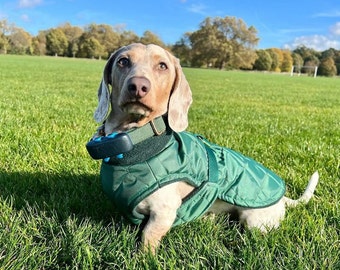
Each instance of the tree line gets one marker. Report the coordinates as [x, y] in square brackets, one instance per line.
[224, 43]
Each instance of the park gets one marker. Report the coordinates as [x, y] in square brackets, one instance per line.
[54, 214]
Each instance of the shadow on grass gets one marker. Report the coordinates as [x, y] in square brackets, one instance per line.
[61, 194]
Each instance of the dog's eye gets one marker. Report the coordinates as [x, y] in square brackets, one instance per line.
[162, 66]
[123, 62]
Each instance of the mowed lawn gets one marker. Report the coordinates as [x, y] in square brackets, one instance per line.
[54, 214]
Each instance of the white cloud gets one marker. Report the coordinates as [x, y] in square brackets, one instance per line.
[198, 8]
[29, 3]
[335, 29]
[316, 42]
[25, 18]
[330, 14]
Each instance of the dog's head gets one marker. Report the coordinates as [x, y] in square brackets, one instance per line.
[146, 81]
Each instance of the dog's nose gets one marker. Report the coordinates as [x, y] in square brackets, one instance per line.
[138, 86]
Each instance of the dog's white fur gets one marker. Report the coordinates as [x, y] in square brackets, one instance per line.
[167, 92]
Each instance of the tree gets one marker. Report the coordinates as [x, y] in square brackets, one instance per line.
[279, 54]
[39, 43]
[3, 43]
[204, 44]
[275, 60]
[297, 60]
[242, 39]
[5, 30]
[182, 50]
[310, 61]
[287, 61]
[91, 48]
[327, 67]
[264, 61]
[151, 38]
[126, 38]
[20, 41]
[56, 42]
[224, 42]
[72, 33]
[309, 56]
[337, 63]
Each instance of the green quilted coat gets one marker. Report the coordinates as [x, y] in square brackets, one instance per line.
[215, 171]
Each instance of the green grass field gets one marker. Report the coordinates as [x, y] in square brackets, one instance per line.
[54, 215]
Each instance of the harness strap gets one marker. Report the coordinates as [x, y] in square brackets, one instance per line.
[212, 162]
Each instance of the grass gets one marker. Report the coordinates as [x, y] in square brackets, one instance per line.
[54, 215]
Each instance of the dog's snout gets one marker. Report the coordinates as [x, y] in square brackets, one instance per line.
[138, 86]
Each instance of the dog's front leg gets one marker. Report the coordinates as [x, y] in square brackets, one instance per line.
[158, 225]
[161, 207]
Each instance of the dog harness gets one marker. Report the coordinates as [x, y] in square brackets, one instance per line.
[216, 173]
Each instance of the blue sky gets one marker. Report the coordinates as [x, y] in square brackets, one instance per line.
[280, 24]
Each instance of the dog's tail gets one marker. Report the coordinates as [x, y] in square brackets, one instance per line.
[307, 195]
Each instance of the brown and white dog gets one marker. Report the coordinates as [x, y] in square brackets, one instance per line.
[146, 82]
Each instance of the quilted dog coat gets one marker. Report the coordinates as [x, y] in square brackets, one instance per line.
[216, 173]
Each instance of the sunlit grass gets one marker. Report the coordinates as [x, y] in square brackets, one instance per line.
[53, 213]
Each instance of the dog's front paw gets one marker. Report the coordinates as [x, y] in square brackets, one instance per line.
[150, 245]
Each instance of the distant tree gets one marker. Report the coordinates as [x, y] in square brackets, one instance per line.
[182, 50]
[337, 63]
[279, 54]
[5, 30]
[287, 61]
[39, 43]
[127, 37]
[20, 42]
[309, 56]
[263, 61]
[335, 55]
[304, 51]
[310, 61]
[72, 34]
[331, 52]
[3, 43]
[224, 42]
[275, 59]
[108, 38]
[151, 38]
[327, 67]
[56, 42]
[205, 46]
[91, 48]
[297, 60]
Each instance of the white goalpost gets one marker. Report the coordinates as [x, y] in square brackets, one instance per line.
[298, 69]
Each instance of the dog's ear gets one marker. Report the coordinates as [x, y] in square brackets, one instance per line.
[103, 90]
[103, 102]
[180, 101]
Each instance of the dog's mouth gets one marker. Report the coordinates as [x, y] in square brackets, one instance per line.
[136, 110]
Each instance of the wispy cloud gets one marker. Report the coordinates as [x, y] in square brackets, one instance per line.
[198, 8]
[335, 29]
[25, 18]
[29, 3]
[330, 14]
[297, 30]
[317, 42]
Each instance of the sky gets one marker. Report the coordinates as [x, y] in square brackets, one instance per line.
[280, 24]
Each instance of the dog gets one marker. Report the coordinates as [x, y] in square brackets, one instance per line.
[144, 93]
